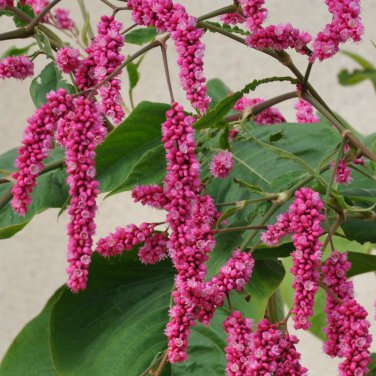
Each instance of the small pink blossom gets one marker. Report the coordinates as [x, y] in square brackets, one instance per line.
[343, 173]
[63, 19]
[152, 195]
[222, 164]
[68, 59]
[19, 67]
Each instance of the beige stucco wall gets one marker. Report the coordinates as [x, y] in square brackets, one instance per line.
[32, 263]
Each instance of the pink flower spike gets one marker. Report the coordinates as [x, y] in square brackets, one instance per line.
[19, 67]
[155, 249]
[6, 3]
[222, 164]
[279, 37]
[152, 195]
[254, 13]
[238, 349]
[124, 239]
[304, 112]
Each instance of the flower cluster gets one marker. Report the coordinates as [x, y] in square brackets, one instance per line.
[303, 220]
[274, 353]
[280, 37]
[222, 164]
[238, 349]
[347, 327]
[304, 112]
[79, 133]
[167, 16]
[103, 58]
[68, 59]
[37, 142]
[343, 173]
[63, 19]
[152, 195]
[19, 67]
[154, 249]
[267, 117]
[254, 13]
[124, 239]
[232, 18]
[37, 5]
[6, 3]
[345, 24]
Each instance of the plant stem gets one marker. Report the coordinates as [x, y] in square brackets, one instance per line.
[41, 15]
[167, 71]
[258, 108]
[242, 228]
[218, 12]
[344, 132]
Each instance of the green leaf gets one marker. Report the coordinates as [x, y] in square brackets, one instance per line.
[30, 354]
[217, 91]
[126, 146]
[347, 78]
[117, 324]
[141, 36]
[358, 59]
[361, 263]
[133, 75]
[216, 115]
[15, 51]
[51, 192]
[229, 28]
[150, 169]
[44, 43]
[18, 21]
[49, 79]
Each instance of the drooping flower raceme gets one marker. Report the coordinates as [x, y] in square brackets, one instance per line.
[273, 352]
[267, 117]
[345, 24]
[173, 18]
[154, 249]
[222, 164]
[104, 56]
[124, 239]
[19, 67]
[304, 112]
[152, 195]
[36, 144]
[279, 37]
[79, 133]
[303, 220]
[238, 349]
[68, 59]
[347, 327]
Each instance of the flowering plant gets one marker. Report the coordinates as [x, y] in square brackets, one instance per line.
[258, 214]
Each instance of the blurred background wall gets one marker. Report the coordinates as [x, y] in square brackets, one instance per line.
[32, 263]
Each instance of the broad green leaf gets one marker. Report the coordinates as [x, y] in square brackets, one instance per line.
[141, 36]
[117, 324]
[30, 354]
[126, 146]
[150, 169]
[16, 51]
[217, 91]
[44, 43]
[361, 263]
[372, 365]
[49, 79]
[51, 192]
